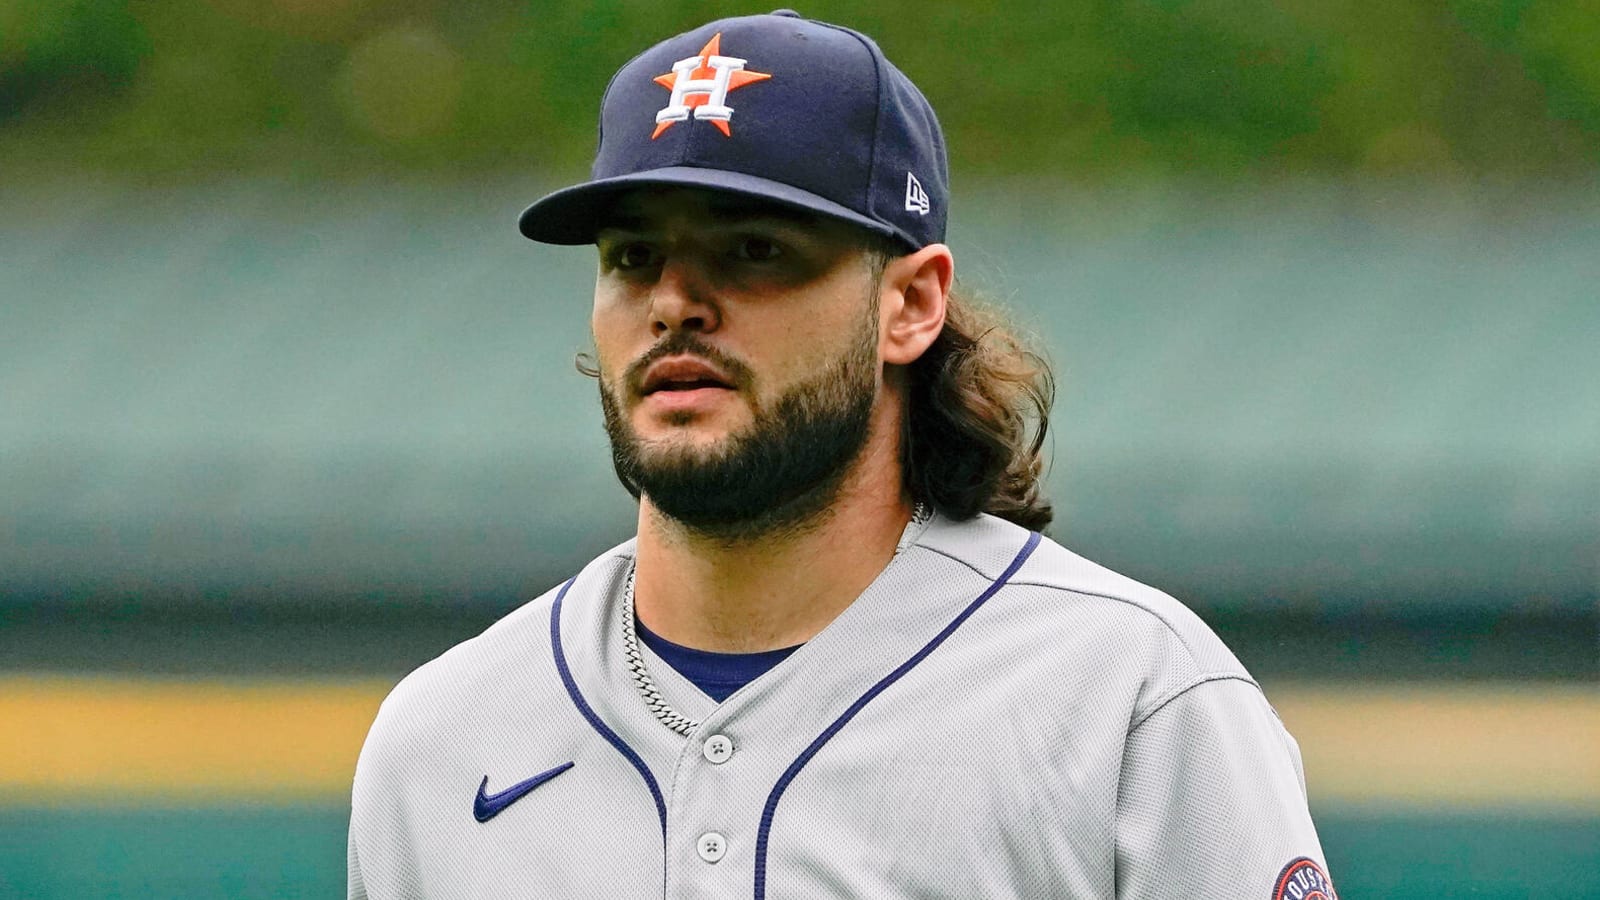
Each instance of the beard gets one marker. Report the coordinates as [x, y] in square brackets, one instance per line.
[780, 472]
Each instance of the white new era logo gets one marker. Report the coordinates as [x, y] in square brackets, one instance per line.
[916, 197]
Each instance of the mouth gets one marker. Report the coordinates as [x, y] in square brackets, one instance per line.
[683, 374]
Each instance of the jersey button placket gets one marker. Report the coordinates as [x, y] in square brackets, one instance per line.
[711, 846]
[717, 749]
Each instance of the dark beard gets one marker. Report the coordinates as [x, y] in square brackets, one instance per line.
[778, 474]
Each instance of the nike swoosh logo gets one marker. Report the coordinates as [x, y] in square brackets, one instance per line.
[487, 806]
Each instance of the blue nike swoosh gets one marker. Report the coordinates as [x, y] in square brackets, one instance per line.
[487, 806]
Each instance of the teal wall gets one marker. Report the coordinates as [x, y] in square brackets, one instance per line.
[1359, 397]
[245, 854]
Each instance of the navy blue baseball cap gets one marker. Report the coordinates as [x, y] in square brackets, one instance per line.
[778, 107]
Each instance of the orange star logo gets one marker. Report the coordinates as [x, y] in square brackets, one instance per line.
[700, 87]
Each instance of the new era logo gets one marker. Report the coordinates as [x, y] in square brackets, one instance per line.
[916, 197]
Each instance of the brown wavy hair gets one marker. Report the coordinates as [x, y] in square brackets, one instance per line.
[973, 439]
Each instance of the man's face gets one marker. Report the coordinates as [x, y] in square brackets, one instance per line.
[738, 352]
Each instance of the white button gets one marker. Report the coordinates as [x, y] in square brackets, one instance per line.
[711, 846]
[717, 749]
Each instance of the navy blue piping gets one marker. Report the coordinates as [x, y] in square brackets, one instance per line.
[594, 720]
[800, 761]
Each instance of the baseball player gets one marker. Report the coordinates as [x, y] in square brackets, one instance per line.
[838, 659]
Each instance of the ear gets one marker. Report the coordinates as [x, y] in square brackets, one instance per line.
[911, 303]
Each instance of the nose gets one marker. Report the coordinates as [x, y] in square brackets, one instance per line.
[681, 300]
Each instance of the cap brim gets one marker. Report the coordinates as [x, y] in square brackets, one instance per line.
[573, 215]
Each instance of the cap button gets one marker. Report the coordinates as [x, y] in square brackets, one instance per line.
[789, 13]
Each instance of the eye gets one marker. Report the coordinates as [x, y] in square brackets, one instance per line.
[634, 256]
[757, 249]
[627, 255]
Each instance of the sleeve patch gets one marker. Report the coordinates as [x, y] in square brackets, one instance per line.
[1303, 879]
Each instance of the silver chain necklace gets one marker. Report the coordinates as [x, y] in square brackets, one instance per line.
[659, 707]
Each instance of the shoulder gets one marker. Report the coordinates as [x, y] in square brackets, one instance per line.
[1104, 623]
[425, 712]
[508, 666]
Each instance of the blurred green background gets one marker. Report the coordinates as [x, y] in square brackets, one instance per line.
[1077, 92]
[287, 406]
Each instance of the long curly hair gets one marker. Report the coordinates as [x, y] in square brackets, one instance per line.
[973, 439]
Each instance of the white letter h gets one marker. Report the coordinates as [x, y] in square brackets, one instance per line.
[715, 89]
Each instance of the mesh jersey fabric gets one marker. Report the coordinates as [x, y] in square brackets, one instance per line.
[1074, 734]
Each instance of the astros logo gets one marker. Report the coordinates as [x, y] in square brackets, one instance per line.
[700, 86]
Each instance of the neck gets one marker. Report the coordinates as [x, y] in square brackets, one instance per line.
[780, 589]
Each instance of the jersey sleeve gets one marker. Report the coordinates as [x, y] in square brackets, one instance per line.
[356, 888]
[1212, 800]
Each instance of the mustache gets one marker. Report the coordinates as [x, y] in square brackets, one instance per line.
[685, 343]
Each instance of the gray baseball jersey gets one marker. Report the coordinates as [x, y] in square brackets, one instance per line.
[993, 717]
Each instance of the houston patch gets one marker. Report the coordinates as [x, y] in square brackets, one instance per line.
[1303, 879]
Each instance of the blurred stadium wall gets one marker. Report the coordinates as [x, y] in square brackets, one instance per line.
[287, 406]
